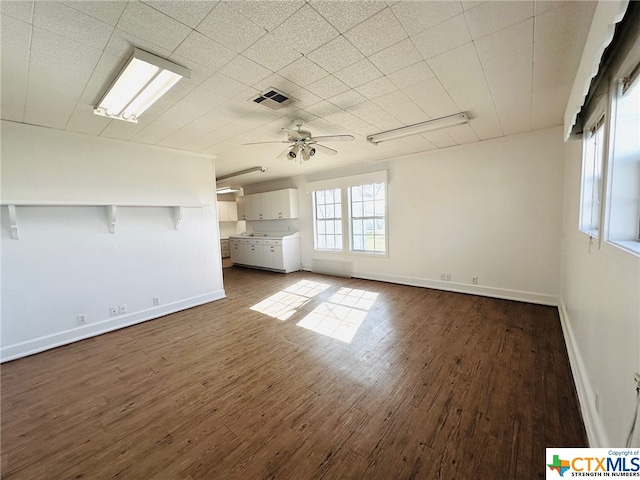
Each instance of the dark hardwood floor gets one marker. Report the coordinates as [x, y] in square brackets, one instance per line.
[433, 385]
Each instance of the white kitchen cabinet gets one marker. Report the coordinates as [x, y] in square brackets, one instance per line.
[278, 252]
[227, 212]
[279, 204]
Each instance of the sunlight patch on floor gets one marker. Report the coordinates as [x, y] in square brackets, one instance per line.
[340, 317]
[283, 304]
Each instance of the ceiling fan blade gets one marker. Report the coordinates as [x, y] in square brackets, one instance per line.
[284, 152]
[260, 143]
[332, 138]
[323, 149]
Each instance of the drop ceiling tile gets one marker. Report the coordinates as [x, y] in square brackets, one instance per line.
[347, 99]
[121, 45]
[303, 72]
[328, 86]
[72, 24]
[443, 37]
[229, 28]
[20, 10]
[153, 26]
[462, 134]
[156, 131]
[272, 53]
[105, 10]
[359, 73]
[187, 134]
[83, 120]
[306, 19]
[14, 32]
[567, 23]
[416, 17]
[345, 15]
[493, 16]
[64, 54]
[109, 64]
[518, 37]
[396, 57]
[193, 106]
[416, 73]
[322, 109]
[485, 123]
[374, 115]
[515, 118]
[543, 6]
[304, 98]
[376, 88]
[341, 117]
[95, 88]
[376, 33]
[401, 107]
[419, 143]
[276, 81]
[190, 13]
[199, 73]
[469, 4]
[432, 98]
[439, 138]
[245, 70]
[459, 62]
[267, 14]
[336, 55]
[14, 64]
[204, 51]
[125, 130]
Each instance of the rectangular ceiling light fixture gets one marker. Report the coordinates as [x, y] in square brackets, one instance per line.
[424, 127]
[142, 81]
[223, 190]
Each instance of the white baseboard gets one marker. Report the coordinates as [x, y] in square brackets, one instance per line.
[592, 423]
[484, 291]
[36, 345]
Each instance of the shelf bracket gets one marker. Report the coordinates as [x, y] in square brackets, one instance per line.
[177, 215]
[13, 220]
[112, 211]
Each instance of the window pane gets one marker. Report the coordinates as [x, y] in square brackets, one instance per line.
[379, 208]
[356, 210]
[327, 207]
[368, 226]
[356, 193]
[379, 244]
[369, 208]
[321, 241]
[320, 197]
[358, 242]
[337, 226]
[330, 226]
[357, 227]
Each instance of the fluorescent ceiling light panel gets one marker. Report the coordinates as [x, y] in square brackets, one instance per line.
[424, 127]
[143, 80]
[223, 190]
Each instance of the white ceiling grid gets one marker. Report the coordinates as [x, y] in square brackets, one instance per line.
[354, 67]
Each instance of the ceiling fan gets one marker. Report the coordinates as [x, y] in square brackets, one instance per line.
[303, 144]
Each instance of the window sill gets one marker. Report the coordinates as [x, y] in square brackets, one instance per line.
[631, 246]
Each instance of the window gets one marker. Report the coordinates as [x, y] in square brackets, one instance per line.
[624, 189]
[367, 209]
[327, 213]
[360, 210]
[592, 179]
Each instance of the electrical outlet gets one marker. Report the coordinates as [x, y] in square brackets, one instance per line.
[82, 319]
[156, 301]
[122, 308]
[448, 277]
[113, 311]
[442, 276]
[474, 280]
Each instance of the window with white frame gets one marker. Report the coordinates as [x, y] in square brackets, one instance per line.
[327, 215]
[624, 184]
[358, 210]
[591, 195]
[367, 218]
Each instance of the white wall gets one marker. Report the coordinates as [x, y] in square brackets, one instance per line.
[601, 316]
[66, 262]
[491, 209]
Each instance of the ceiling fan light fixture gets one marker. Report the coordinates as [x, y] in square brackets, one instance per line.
[293, 153]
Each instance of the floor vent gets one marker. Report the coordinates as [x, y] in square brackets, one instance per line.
[332, 267]
[273, 99]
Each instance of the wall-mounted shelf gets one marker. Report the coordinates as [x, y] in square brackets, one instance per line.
[112, 211]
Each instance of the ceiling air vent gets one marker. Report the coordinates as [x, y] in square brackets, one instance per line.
[273, 99]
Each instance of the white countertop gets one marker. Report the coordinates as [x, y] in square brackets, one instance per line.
[266, 235]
